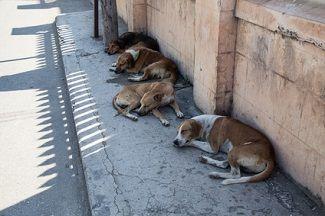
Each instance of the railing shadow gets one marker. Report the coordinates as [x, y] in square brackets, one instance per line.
[56, 133]
[64, 5]
[90, 130]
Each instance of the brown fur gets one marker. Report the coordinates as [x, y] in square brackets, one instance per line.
[248, 144]
[152, 63]
[191, 129]
[149, 97]
[129, 39]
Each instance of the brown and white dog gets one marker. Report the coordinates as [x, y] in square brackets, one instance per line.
[152, 63]
[128, 39]
[246, 147]
[149, 97]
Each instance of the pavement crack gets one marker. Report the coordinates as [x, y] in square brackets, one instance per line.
[83, 53]
[114, 173]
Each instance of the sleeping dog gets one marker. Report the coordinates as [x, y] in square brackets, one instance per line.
[246, 147]
[128, 39]
[149, 97]
[153, 64]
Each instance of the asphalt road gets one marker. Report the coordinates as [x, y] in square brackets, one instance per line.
[40, 167]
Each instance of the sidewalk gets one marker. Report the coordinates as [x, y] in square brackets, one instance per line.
[40, 166]
[132, 168]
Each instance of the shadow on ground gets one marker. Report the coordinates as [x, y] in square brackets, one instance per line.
[54, 117]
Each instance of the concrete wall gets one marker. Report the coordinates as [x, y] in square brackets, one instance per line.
[172, 23]
[215, 37]
[122, 9]
[280, 88]
[200, 37]
[133, 13]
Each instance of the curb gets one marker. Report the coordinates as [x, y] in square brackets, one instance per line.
[85, 113]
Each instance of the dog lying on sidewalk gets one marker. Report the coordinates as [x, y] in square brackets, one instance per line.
[152, 63]
[149, 96]
[246, 147]
[128, 39]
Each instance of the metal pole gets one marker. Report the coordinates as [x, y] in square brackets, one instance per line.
[96, 34]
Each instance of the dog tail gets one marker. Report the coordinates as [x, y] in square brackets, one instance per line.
[116, 106]
[255, 178]
[172, 78]
[265, 173]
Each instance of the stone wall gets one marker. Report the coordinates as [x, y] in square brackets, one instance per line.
[215, 37]
[133, 13]
[172, 23]
[279, 88]
[122, 9]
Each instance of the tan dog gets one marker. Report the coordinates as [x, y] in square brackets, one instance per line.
[245, 146]
[149, 96]
[152, 63]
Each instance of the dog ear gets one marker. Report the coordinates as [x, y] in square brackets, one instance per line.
[120, 43]
[196, 128]
[158, 97]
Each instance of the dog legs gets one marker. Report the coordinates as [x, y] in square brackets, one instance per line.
[151, 70]
[160, 116]
[131, 107]
[175, 106]
[139, 78]
[221, 164]
[233, 174]
[204, 146]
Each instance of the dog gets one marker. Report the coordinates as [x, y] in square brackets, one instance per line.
[128, 39]
[149, 97]
[245, 147]
[152, 63]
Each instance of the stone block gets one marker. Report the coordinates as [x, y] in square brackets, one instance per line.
[227, 32]
[279, 89]
[227, 5]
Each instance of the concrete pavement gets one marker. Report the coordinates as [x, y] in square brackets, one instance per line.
[131, 168]
[40, 168]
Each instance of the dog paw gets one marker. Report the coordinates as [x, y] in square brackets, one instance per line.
[213, 175]
[224, 164]
[179, 114]
[165, 122]
[203, 159]
[133, 118]
[226, 182]
[113, 64]
[134, 79]
[112, 69]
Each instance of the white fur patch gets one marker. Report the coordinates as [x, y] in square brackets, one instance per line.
[226, 146]
[179, 136]
[251, 163]
[235, 181]
[135, 54]
[207, 122]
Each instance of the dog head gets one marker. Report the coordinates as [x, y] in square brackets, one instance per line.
[187, 131]
[126, 60]
[150, 101]
[113, 47]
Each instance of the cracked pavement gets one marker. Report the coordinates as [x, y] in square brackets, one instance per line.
[132, 168]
